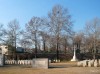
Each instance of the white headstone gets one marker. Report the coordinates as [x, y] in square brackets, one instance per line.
[96, 63]
[85, 63]
[80, 63]
[90, 63]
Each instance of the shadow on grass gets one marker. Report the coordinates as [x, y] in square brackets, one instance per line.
[29, 66]
[51, 67]
[16, 66]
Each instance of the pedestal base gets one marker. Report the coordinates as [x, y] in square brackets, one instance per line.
[74, 58]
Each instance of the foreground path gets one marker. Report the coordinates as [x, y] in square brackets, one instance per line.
[55, 68]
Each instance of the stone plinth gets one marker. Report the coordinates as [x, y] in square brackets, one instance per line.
[74, 58]
[40, 63]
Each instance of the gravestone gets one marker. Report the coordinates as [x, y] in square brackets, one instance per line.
[85, 63]
[40, 63]
[80, 63]
[91, 63]
[1, 60]
[96, 63]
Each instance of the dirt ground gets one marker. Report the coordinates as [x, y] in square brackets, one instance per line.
[54, 68]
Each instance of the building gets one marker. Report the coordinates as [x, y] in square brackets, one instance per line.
[4, 49]
[27, 50]
[20, 50]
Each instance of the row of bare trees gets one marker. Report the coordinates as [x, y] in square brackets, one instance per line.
[40, 33]
[49, 31]
[53, 33]
[89, 39]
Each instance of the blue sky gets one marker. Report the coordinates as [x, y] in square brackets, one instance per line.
[24, 10]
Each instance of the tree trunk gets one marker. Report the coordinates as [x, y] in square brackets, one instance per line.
[65, 46]
[57, 47]
[35, 46]
[44, 45]
[57, 50]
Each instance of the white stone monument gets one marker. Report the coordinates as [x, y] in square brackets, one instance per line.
[40, 63]
[74, 56]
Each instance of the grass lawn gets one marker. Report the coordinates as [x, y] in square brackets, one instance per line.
[55, 68]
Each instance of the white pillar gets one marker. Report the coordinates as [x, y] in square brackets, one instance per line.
[74, 56]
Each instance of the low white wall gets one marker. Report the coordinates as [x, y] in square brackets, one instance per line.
[19, 62]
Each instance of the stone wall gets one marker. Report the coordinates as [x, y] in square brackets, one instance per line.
[40, 63]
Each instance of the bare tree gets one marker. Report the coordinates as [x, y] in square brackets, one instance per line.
[45, 37]
[60, 23]
[64, 43]
[12, 34]
[93, 30]
[2, 33]
[33, 28]
[25, 43]
[78, 41]
[44, 33]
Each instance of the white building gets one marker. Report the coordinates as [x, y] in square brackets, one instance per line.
[4, 49]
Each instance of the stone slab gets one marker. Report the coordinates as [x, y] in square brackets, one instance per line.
[40, 63]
